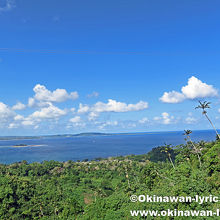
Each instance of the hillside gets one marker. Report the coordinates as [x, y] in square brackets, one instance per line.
[102, 189]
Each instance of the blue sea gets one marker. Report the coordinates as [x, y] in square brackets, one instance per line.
[90, 147]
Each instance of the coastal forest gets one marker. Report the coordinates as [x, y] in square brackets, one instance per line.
[101, 188]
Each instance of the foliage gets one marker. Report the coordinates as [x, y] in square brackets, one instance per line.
[100, 189]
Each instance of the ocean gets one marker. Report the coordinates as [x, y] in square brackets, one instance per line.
[91, 147]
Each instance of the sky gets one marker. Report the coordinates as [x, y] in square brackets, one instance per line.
[108, 66]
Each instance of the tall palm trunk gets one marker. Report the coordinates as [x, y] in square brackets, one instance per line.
[212, 125]
[195, 151]
[171, 161]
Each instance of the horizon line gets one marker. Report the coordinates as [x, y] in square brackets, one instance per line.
[103, 133]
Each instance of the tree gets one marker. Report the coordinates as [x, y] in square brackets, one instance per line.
[204, 105]
[187, 134]
[168, 150]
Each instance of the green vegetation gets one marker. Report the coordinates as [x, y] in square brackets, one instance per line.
[101, 189]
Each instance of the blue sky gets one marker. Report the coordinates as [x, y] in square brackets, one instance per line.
[108, 66]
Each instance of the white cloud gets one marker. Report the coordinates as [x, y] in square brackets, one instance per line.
[83, 108]
[143, 120]
[5, 111]
[110, 106]
[93, 94]
[31, 102]
[51, 112]
[76, 122]
[44, 97]
[194, 89]
[6, 114]
[197, 89]
[114, 106]
[19, 106]
[172, 97]
[9, 119]
[45, 113]
[19, 117]
[28, 122]
[93, 116]
[107, 124]
[59, 95]
[165, 118]
[13, 125]
[76, 119]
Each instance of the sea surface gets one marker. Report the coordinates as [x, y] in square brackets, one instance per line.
[91, 147]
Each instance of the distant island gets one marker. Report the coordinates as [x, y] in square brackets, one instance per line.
[25, 145]
[20, 145]
[51, 136]
[5, 138]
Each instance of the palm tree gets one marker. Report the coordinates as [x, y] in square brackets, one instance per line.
[204, 105]
[187, 134]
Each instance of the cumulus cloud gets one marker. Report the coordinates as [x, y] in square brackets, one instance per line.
[5, 111]
[83, 108]
[194, 89]
[6, 115]
[34, 119]
[9, 119]
[172, 97]
[31, 102]
[13, 125]
[58, 95]
[48, 114]
[197, 89]
[165, 118]
[114, 106]
[93, 116]
[28, 122]
[44, 97]
[51, 112]
[19, 117]
[19, 106]
[76, 122]
[76, 119]
[111, 106]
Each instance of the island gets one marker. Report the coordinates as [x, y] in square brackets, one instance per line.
[25, 145]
